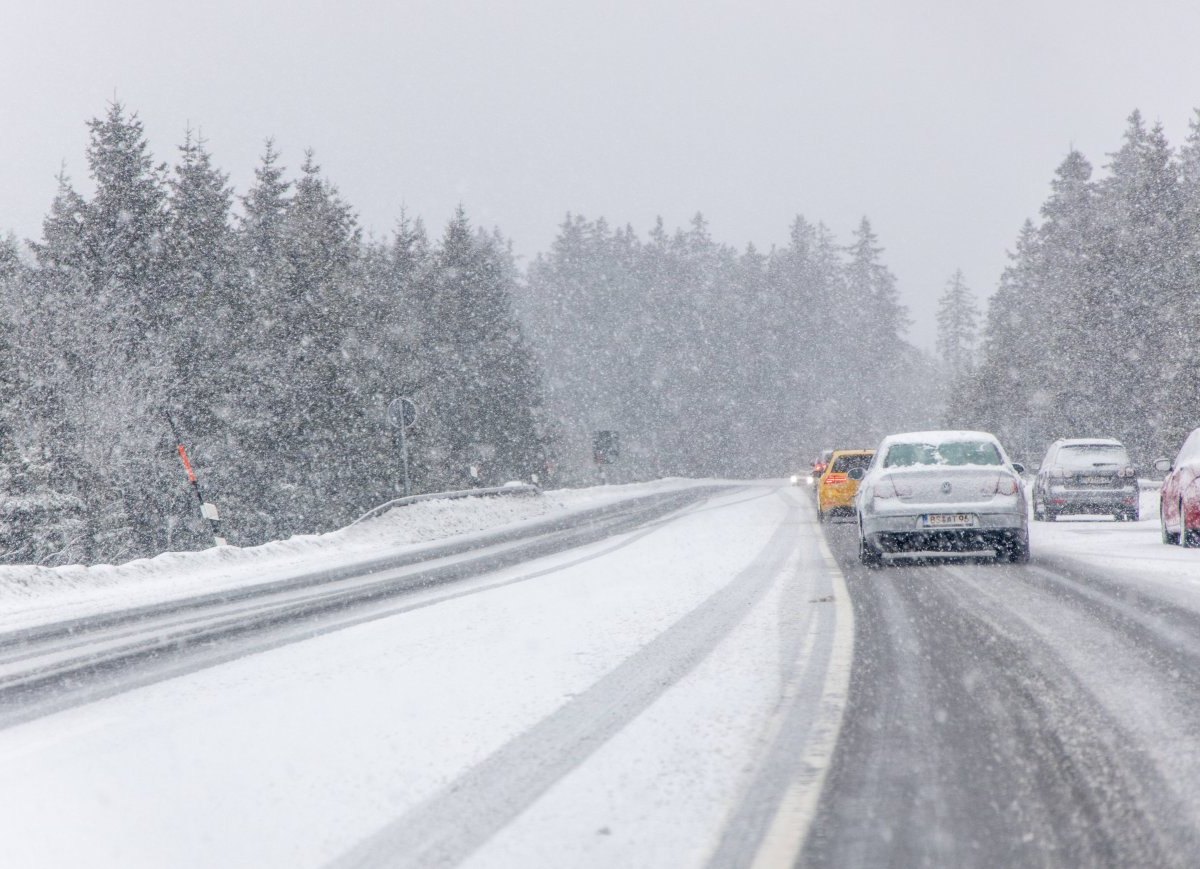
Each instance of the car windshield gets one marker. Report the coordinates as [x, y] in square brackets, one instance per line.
[949, 453]
[1093, 456]
[842, 464]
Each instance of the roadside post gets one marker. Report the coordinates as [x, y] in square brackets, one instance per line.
[606, 446]
[208, 511]
[402, 415]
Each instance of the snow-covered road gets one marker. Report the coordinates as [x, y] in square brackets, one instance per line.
[648, 699]
[717, 686]
[1036, 715]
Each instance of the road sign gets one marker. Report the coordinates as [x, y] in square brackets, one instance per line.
[606, 447]
[402, 413]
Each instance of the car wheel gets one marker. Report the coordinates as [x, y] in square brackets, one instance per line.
[1167, 537]
[868, 556]
[1017, 550]
[1051, 516]
[1187, 537]
[1039, 510]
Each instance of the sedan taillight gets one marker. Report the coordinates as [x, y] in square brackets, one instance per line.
[1006, 485]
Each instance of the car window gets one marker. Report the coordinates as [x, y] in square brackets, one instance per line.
[842, 464]
[949, 453]
[1093, 456]
[1190, 450]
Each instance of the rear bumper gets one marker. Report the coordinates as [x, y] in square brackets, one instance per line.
[892, 533]
[965, 540]
[1090, 500]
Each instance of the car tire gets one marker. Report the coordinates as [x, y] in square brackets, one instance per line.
[1039, 510]
[1051, 516]
[1167, 537]
[1017, 550]
[1187, 537]
[820, 515]
[868, 556]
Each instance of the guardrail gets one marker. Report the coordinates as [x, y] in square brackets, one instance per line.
[50, 667]
[523, 489]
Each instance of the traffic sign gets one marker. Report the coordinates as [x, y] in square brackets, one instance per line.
[402, 413]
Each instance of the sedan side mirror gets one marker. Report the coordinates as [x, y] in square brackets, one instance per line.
[855, 473]
[1018, 467]
[1162, 465]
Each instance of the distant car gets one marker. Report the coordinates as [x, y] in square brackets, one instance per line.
[1086, 476]
[941, 492]
[820, 463]
[835, 488]
[1179, 505]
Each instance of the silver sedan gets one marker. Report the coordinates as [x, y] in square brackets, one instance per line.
[942, 493]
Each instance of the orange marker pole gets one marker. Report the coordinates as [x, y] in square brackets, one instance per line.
[207, 511]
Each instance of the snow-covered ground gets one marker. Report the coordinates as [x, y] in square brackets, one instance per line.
[33, 595]
[1133, 549]
[613, 705]
[606, 710]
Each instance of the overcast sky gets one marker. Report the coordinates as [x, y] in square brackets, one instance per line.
[940, 120]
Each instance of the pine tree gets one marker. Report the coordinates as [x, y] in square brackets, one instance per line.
[484, 397]
[1139, 274]
[872, 312]
[211, 324]
[305, 451]
[957, 320]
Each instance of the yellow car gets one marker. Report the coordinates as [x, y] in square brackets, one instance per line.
[835, 490]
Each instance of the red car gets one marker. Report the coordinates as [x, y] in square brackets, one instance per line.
[1179, 509]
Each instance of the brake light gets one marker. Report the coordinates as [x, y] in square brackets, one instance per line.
[1004, 485]
[1127, 472]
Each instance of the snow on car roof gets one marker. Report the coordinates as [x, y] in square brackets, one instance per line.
[1074, 442]
[938, 437]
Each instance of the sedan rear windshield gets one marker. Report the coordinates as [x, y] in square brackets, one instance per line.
[1093, 456]
[842, 464]
[950, 453]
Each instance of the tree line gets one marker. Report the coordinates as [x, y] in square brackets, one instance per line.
[715, 362]
[275, 334]
[1092, 329]
[275, 337]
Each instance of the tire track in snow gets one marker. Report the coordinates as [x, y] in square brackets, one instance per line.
[773, 818]
[971, 742]
[451, 824]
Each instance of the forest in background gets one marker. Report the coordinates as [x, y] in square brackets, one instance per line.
[275, 334]
[1093, 329]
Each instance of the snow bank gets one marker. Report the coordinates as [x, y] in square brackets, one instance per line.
[1133, 549]
[32, 595]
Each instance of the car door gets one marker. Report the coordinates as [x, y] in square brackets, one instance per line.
[1176, 480]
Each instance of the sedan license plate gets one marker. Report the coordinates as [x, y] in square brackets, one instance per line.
[948, 520]
[1096, 481]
